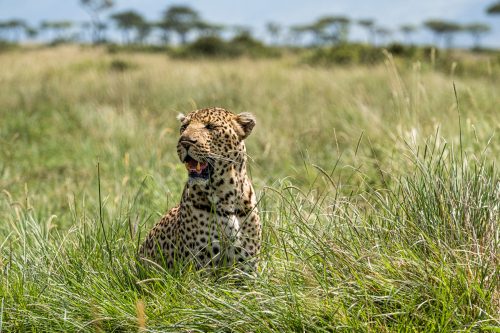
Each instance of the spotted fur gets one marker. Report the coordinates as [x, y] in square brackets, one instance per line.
[216, 222]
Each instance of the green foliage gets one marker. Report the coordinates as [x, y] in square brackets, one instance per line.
[494, 8]
[401, 50]
[7, 46]
[248, 45]
[128, 19]
[142, 48]
[181, 19]
[346, 54]
[448, 62]
[274, 30]
[408, 28]
[12, 29]
[326, 30]
[443, 29]
[331, 29]
[97, 5]
[477, 30]
[120, 65]
[367, 23]
[131, 20]
[212, 46]
[94, 8]
[59, 30]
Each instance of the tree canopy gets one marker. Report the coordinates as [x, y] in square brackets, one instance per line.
[274, 31]
[94, 9]
[476, 30]
[331, 29]
[369, 25]
[14, 27]
[59, 29]
[444, 29]
[180, 19]
[130, 20]
[408, 30]
[494, 8]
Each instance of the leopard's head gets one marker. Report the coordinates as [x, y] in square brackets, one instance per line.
[211, 140]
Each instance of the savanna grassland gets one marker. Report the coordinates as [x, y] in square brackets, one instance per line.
[378, 187]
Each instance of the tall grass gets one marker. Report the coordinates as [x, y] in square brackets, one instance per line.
[380, 211]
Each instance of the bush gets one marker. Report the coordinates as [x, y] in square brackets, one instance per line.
[370, 55]
[120, 65]
[6, 45]
[249, 46]
[346, 54]
[401, 50]
[429, 51]
[116, 48]
[212, 46]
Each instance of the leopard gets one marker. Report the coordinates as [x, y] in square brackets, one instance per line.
[217, 223]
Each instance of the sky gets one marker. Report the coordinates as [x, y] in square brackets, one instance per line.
[256, 13]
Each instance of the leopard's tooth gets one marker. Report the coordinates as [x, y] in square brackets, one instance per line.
[198, 167]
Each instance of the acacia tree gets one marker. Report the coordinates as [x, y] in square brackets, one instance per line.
[408, 30]
[101, 28]
[94, 8]
[3, 31]
[13, 29]
[31, 32]
[209, 29]
[296, 33]
[443, 30]
[494, 9]
[241, 32]
[369, 26]
[274, 31]
[128, 21]
[477, 30]
[85, 30]
[165, 30]
[143, 30]
[331, 29]
[181, 20]
[382, 34]
[59, 28]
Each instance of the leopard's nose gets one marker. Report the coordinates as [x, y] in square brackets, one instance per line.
[187, 142]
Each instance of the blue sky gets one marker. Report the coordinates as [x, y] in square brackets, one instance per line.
[387, 13]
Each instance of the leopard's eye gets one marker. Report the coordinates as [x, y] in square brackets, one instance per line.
[183, 127]
[209, 127]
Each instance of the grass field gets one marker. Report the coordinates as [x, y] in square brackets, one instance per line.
[379, 194]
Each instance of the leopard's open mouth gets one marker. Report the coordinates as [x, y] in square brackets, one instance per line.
[197, 169]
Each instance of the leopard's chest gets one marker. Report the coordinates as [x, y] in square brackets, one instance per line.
[212, 224]
[208, 234]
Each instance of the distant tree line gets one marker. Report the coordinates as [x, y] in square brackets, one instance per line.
[184, 22]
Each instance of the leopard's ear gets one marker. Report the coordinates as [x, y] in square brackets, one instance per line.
[181, 117]
[246, 122]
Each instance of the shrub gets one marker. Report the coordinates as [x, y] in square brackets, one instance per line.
[120, 65]
[6, 45]
[346, 54]
[116, 48]
[212, 46]
[401, 50]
